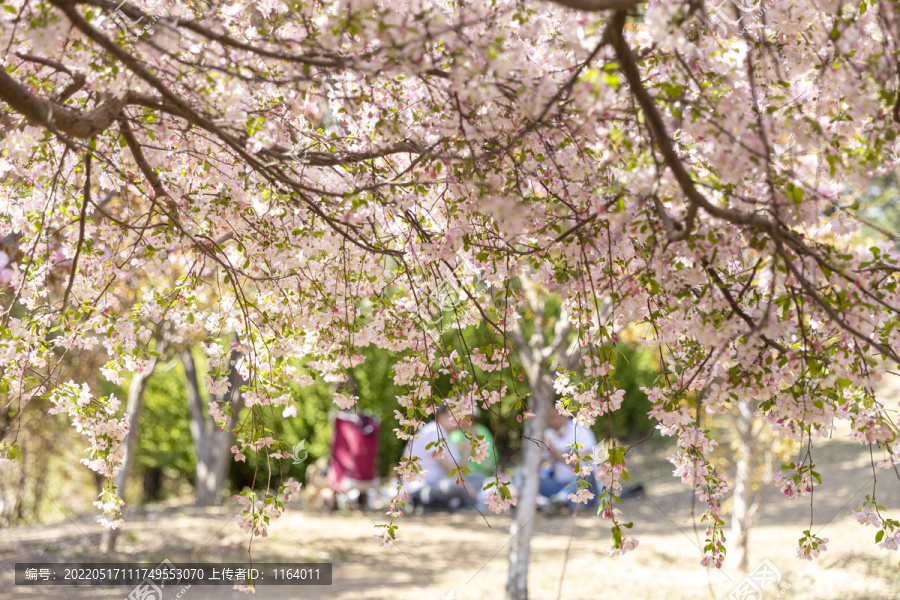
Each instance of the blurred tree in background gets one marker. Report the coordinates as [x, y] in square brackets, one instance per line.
[878, 206]
[165, 454]
[635, 368]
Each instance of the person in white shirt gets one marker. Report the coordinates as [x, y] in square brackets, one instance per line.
[435, 489]
[558, 480]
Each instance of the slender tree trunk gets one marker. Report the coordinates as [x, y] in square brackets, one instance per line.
[133, 407]
[522, 526]
[152, 483]
[538, 356]
[19, 507]
[742, 517]
[211, 445]
[199, 426]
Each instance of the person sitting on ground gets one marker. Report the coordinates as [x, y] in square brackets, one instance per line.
[558, 479]
[459, 440]
[435, 490]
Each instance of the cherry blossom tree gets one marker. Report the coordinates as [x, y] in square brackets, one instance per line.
[538, 354]
[308, 176]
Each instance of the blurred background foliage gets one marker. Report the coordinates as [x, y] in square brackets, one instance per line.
[165, 453]
[164, 464]
[878, 206]
[314, 423]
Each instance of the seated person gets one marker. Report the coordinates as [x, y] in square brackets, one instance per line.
[459, 440]
[435, 489]
[558, 480]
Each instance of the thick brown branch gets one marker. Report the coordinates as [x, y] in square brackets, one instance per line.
[42, 112]
[326, 159]
[77, 83]
[896, 112]
[675, 231]
[598, 5]
[664, 144]
[140, 159]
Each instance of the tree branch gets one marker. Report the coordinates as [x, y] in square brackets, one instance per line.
[598, 5]
[81, 219]
[658, 133]
[735, 307]
[140, 159]
[885, 350]
[43, 112]
[206, 122]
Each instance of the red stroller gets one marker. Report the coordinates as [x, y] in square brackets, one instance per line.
[354, 451]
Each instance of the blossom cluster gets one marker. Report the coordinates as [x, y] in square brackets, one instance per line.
[98, 420]
[810, 546]
[498, 497]
[257, 513]
[888, 530]
[692, 466]
[796, 480]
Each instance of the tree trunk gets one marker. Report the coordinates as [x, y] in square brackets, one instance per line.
[211, 445]
[522, 525]
[742, 515]
[133, 407]
[19, 505]
[537, 357]
[152, 483]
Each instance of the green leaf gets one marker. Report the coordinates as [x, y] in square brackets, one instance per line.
[617, 536]
[673, 90]
[794, 193]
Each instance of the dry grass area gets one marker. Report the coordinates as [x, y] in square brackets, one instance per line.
[461, 552]
[466, 553]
